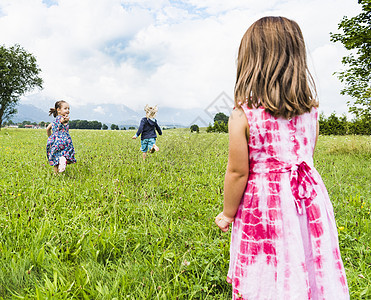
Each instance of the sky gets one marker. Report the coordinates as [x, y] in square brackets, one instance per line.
[179, 54]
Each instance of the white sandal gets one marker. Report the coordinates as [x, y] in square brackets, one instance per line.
[62, 164]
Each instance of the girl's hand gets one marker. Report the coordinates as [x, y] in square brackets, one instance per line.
[134, 137]
[65, 119]
[223, 222]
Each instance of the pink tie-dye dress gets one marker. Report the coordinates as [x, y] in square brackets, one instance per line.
[284, 242]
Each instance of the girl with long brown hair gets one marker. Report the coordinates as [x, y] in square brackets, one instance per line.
[284, 242]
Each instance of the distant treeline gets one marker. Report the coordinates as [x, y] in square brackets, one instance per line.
[341, 126]
[331, 125]
[76, 124]
[84, 124]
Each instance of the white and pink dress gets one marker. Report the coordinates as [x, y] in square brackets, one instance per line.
[284, 242]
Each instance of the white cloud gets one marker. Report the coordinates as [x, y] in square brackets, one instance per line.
[180, 54]
[99, 109]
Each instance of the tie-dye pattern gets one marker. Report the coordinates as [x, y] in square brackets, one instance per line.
[284, 242]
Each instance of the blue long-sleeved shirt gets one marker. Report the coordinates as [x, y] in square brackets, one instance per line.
[147, 129]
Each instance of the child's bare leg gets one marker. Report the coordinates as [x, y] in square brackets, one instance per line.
[144, 155]
[154, 148]
[55, 169]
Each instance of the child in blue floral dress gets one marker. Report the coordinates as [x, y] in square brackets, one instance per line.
[59, 148]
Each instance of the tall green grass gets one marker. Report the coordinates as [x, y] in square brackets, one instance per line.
[344, 163]
[115, 227]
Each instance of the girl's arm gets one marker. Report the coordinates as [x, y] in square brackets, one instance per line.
[49, 130]
[317, 134]
[237, 169]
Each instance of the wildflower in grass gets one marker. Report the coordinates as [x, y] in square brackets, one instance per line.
[186, 263]
[19, 195]
[127, 200]
[341, 228]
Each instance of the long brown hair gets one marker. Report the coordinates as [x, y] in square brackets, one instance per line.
[272, 69]
[54, 111]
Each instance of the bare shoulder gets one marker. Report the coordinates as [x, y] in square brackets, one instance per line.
[238, 115]
[238, 120]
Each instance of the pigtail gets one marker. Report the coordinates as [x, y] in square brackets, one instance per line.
[52, 111]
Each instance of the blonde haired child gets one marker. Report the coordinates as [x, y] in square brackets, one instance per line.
[147, 128]
[284, 242]
[59, 147]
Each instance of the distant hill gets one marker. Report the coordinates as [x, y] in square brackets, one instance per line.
[117, 114]
[31, 113]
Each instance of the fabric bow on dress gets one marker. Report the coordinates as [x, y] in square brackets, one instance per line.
[301, 182]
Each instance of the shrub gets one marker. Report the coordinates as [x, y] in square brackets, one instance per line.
[195, 127]
[341, 126]
[218, 127]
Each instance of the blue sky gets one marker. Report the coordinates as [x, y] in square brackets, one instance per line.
[49, 3]
[172, 53]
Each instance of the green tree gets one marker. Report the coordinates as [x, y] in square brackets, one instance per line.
[221, 117]
[82, 124]
[72, 124]
[210, 128]
[356, 36]
[195, 127]
[95, 125]
[114, 127]
[223, 127]
[19, 74]
[104, 127]
[217, 127]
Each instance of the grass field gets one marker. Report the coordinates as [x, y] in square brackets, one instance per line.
[113, 227]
